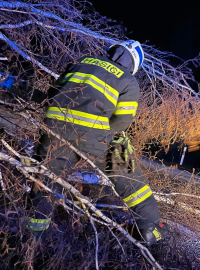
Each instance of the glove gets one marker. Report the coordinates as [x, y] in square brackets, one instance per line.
[155, 233]
[122, 153]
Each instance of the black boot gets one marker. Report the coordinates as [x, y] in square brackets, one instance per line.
[154, 233]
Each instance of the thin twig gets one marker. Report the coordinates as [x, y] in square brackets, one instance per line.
[176, 193]
[117, 240]
[159, 65]
[180, 204]
[4, 191]
[97, 243]
[19, 155]
[17, 48]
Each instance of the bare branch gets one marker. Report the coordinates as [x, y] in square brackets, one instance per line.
[79, 196]
[18, 50]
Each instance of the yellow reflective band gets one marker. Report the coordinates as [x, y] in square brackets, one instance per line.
[79, 118]
[77, 122]
[136, 193]
[106, 65]
[126, 108]
[132, 112]
[40, 221]
[139, 196]
[110, 93]
[38, 224]
[117, 155]
[157, 234]
[127, 103]
[78, 113]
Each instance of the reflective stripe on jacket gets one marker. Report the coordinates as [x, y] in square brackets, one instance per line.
[94, 94]
[110, 93]
[79, 118]
[126, 108]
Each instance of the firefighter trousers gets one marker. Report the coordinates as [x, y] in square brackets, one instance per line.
[132, 187]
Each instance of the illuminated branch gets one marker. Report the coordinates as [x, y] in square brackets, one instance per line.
[154, 66]
[82, 30]
[19, 4]
[18, 50]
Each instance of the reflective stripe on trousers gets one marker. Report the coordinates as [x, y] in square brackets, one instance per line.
[126, 108]
[38, 224]
[110, 93]
[79, 118]
[139, 196]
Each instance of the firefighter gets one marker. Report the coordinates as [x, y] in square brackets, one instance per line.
[92, 101]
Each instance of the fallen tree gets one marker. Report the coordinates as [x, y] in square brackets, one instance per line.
[38, 40]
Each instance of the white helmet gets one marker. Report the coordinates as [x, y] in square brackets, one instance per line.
[136, 51]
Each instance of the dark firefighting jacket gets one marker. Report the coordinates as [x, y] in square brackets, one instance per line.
[95, 97]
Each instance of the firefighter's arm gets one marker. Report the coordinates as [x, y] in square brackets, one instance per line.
[126, 107]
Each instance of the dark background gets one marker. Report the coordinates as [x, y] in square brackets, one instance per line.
[172, 25]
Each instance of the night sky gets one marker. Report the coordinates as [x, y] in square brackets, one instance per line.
[172, 25]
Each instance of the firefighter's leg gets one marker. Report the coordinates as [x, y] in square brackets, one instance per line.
[60, 159]
[95, 149]
[133, 188]
[136, 192]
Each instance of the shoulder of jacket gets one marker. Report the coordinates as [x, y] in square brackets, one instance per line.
[132, 84]
[134, 81]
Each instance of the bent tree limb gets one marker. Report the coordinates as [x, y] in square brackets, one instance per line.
[26, 170]
[58, 17]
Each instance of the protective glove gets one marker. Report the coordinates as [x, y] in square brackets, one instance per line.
[122, 153]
